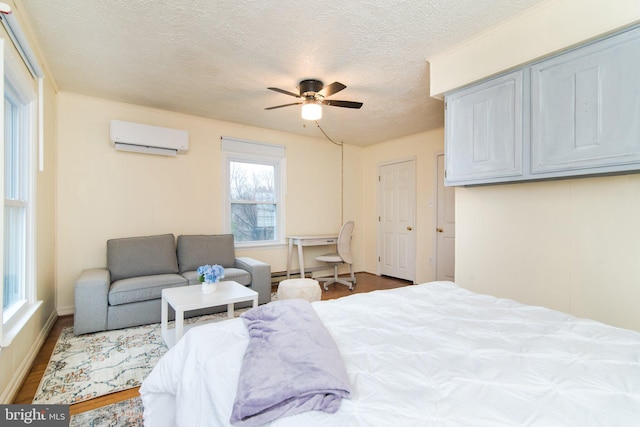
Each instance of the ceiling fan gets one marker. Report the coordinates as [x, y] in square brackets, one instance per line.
[312, 97]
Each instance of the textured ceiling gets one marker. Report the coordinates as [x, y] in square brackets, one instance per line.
[216, 58]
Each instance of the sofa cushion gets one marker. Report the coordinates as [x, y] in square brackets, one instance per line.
[143, 288]
[141, 256]
[197, 250]
[236, 274]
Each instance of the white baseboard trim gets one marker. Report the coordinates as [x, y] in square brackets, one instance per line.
[11, 391]
[66, 311]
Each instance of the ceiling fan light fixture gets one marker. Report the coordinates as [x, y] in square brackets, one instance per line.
[311, 110]
[312, 96]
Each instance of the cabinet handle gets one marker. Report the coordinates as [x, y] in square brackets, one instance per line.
[439, 229]
[409, 228]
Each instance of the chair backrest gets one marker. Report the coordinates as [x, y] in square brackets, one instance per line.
[344, 242]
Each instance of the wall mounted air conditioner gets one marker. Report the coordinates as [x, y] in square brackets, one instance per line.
[126, 136]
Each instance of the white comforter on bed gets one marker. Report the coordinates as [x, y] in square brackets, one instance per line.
[432, 355]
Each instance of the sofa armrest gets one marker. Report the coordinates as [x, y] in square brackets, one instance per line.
[260, 277]
[91, 301]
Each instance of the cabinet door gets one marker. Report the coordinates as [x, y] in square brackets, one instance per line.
[483, 131]
[586, 109]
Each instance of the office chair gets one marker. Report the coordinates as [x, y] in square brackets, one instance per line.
[342, 257]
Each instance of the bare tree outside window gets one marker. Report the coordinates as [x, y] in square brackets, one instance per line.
[253, 201]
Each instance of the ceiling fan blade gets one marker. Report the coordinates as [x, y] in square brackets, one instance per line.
[345, 104]
[286, 92]
[329, 90]
[284, 105]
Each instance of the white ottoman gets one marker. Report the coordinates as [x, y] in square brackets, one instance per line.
[307, 289]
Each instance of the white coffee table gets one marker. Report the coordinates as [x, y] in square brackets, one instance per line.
[185, 298]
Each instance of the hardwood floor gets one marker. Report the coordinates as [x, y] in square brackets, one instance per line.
[365, 283]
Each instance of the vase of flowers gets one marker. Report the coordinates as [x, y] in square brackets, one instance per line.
[209, 276]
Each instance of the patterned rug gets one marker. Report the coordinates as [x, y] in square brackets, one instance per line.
[87, 366]
[125, 413]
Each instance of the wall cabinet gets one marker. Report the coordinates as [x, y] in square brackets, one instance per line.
[574, 114]
[484, 130]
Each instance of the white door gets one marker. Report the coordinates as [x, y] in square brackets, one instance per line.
[445, 226]
[396, 231]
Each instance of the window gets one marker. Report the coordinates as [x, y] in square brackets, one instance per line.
[18, 177]
[254, 192]
[16, 202]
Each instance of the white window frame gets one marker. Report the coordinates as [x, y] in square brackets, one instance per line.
[22, 89]
[237, 150]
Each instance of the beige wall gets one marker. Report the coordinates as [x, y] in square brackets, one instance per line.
[423, 146]
[16, 359]
[572, 245]
[106, 194]
[354, 201]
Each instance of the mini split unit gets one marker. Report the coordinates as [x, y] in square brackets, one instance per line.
[126, 136]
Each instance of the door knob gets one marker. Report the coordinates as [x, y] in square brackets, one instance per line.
[409, 228]
[439, 229]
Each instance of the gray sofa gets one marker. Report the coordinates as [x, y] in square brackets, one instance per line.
[128, 292]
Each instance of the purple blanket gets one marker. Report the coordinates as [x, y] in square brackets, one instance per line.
[291, 365]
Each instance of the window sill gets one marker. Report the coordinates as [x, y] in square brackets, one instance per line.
[260, 245]
[15, 325]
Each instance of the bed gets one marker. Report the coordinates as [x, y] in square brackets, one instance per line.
[432, 354]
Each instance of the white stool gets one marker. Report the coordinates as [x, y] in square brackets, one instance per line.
[307, 289]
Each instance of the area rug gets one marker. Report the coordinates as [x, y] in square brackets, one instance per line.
[125, 413]
[87, 366]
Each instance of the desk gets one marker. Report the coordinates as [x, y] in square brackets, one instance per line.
[307, 240]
